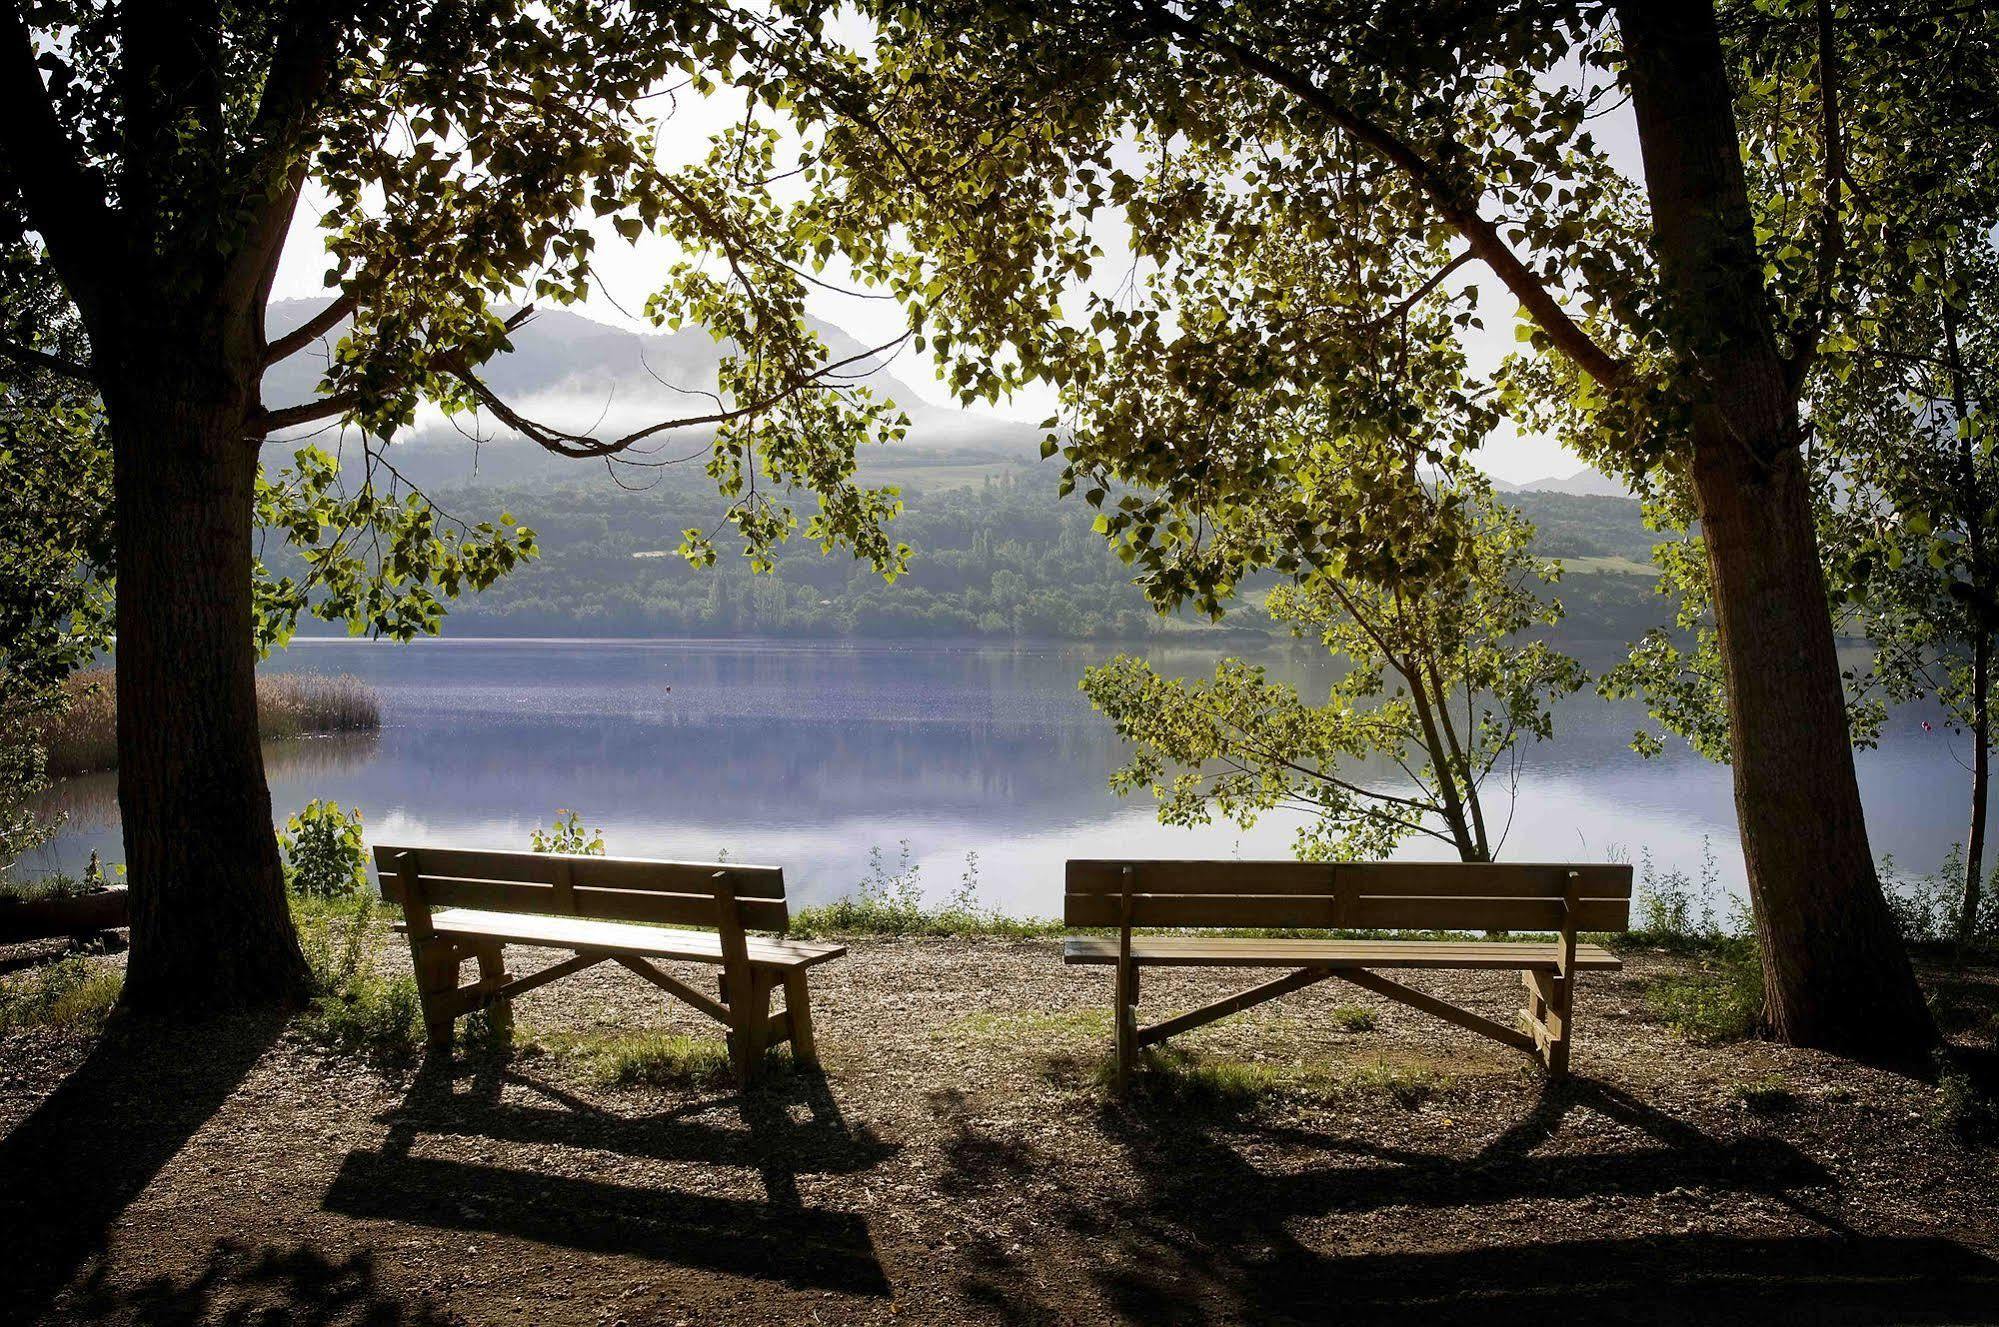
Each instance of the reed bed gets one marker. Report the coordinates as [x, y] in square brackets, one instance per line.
[83, 736]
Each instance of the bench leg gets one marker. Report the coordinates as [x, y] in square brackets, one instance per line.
[436, 977]
[1126, 1013]
[797, 1003]
[1547, 1017]
[500, 1013]
[749, 1021]
[1558, 1027]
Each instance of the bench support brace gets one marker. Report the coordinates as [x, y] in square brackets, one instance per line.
[1430, 1004]
[715, 1009]
[1234, 1004]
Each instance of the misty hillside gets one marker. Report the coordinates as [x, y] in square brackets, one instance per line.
[573, 372]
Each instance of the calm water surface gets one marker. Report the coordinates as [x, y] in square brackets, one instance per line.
[809, 755]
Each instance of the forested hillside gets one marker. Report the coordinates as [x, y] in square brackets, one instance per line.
[995, 558]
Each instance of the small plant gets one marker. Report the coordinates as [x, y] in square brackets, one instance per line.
[72, 994]
[325, 856]
[1721, 1001]
[1354, 1018]
[568, 835]
[1769, 1095]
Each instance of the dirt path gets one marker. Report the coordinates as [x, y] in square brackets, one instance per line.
[958, 1163]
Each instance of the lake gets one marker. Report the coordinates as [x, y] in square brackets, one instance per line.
[811, 755]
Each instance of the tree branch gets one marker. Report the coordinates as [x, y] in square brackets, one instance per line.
[65, 197]
[1482, 235]
[330, 406]
[1811, 329]
[41, 359]
[295, 89]
[310, 330]
[582, 445]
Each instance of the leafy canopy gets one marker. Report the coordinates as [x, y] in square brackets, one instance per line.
[1439, 694]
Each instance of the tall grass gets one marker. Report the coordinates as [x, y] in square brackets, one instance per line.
[83, 735]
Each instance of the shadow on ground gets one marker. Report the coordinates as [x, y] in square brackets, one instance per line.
[778, 1238]
[69, 1169]
[1212, 1238]
[295, 1285]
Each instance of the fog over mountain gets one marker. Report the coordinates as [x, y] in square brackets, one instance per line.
[586, 376]
[579, 374]
[1584, 483]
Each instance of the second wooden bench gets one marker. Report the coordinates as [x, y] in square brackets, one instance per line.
[1317, 896]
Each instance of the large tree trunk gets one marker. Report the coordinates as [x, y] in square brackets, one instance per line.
[1834, 968]
[210, 929]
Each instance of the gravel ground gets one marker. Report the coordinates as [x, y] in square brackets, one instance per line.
[958, 1162]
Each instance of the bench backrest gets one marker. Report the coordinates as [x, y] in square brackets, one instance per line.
[624, 889]
[1454, 896]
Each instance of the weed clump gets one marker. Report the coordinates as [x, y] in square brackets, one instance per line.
[71, 995]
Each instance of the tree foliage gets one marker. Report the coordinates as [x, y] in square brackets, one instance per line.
[1441, 692]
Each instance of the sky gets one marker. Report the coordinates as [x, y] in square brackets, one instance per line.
[629, 272]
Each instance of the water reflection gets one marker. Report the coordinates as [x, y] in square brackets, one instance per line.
[811, 755]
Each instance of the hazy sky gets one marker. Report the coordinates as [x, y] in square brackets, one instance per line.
[629, 272]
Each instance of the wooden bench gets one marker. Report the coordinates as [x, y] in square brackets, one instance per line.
[1509, 896]
[460, 905]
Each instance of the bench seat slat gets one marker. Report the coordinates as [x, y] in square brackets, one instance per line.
[625, 938]
[1222, 952]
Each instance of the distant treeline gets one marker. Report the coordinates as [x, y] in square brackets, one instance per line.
[998, 557]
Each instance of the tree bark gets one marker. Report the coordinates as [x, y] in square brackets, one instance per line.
[1981, 784]
[210, 926]
[1836, 974]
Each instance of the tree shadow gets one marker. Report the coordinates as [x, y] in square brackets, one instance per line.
[73, 1165]
[298, 1285]
[779, 1239]
[1214, 1237]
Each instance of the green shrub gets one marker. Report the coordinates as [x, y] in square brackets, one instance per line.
[377, 1018]
[567, 835]
[325, 856]
[1721, 1001]
[1926, 906]
[72, 994]
[354, 1009]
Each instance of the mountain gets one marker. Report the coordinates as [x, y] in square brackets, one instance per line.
[1584, 483]
[579, 374]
